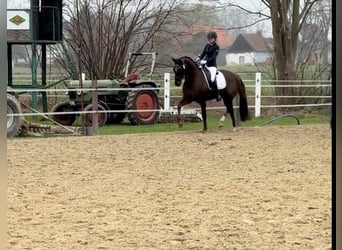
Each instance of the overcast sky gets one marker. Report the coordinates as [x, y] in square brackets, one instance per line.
[254, 4]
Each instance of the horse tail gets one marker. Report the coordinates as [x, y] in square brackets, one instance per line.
[244, 113]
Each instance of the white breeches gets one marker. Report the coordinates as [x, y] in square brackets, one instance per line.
[212, 71]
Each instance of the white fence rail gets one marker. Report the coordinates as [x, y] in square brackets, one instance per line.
[167, 95]
[313, 84]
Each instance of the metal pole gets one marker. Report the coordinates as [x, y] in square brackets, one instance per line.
[34, 78]
[44, 98]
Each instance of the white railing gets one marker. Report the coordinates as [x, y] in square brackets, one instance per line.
[166, 83]
[314, 84]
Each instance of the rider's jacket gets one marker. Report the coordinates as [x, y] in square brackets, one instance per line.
[210, 53]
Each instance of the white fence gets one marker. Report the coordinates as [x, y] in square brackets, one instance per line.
[257, 86]
[292, 84]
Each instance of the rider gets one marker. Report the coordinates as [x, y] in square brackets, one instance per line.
[208, 58]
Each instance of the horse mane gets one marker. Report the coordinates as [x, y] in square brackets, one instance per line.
[194, 64]
[189, 58]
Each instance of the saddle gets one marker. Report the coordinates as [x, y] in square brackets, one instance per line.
[207, 75]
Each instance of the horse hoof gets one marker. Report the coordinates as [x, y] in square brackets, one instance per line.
[234, 129]
[220, 125]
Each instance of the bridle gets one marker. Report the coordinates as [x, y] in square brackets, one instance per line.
[178, 70]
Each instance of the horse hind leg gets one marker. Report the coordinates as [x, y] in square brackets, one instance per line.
[232, 116]
[230, 110]
[222, 119]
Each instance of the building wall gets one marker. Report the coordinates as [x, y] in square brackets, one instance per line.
[247, 58]
[239, 58]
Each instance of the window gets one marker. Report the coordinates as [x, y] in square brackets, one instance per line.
[241, 60]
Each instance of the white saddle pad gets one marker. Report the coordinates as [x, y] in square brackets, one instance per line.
[221, 81]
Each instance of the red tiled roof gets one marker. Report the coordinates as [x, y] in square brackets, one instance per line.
[224, 40]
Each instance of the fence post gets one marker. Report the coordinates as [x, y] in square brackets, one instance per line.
[166, 91]
[257, 94]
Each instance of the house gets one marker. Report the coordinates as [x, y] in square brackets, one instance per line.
[249, 48]
[190, 41]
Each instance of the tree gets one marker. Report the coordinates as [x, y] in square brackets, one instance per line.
[102, 32]
[287, 17]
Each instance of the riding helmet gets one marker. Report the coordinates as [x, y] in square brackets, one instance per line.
[212, 34]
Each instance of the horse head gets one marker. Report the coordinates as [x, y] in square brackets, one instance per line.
[183, 68]
[178, 69]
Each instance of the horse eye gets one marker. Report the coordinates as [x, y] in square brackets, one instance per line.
[176, 70]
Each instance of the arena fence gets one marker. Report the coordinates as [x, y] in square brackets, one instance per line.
[254, 90]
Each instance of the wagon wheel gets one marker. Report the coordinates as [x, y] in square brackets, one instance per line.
[101, 117]
[143, 100]
[64, 119]
[14, 123]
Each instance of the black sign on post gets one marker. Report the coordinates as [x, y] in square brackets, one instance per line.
[47, 20]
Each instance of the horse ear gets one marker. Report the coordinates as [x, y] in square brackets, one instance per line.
[174, 60]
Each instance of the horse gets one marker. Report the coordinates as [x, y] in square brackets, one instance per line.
[196, 89]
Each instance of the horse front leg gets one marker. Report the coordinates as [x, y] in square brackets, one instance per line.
[179, 108]
[204, 115]
[179, 119]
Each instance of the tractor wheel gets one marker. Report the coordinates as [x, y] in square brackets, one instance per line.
[143, 100]
[64, 119]
[101, 117]
[14, 123]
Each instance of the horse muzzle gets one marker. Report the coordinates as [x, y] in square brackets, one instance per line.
[178, 82]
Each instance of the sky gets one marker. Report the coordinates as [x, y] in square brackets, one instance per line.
[252, 5]
[248, 4]
[12, 4]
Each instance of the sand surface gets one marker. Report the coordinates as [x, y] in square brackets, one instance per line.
[256, 188]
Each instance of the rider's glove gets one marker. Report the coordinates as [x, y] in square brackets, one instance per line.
[203, 61]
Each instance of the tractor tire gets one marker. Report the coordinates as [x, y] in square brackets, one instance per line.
[64, 119]
[102, 117]
[14, 123]
[143, 100]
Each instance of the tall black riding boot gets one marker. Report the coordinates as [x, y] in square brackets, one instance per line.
[215, 92]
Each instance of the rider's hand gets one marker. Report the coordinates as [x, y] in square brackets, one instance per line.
[203, 61]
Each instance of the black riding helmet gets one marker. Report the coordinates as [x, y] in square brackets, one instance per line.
[212, 34]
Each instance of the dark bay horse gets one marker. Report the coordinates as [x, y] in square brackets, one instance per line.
[195, 89]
